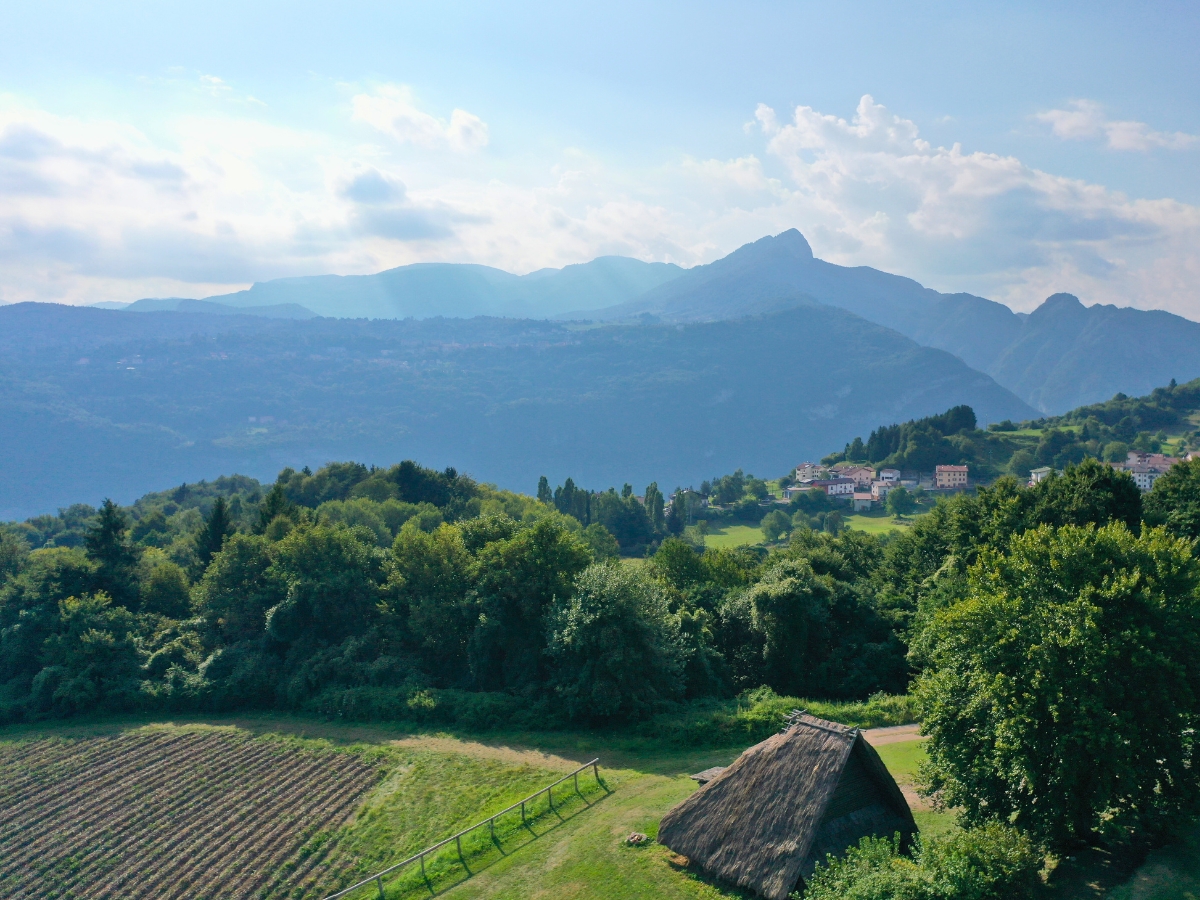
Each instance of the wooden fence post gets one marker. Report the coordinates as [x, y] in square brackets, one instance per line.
[550, 796]
[458, 841]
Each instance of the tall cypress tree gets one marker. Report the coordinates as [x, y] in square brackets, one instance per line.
[677, 518]
[543, 493]
[654, 507]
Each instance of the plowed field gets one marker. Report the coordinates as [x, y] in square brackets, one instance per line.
[172, 814]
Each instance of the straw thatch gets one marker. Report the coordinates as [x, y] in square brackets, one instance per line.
[766, 821]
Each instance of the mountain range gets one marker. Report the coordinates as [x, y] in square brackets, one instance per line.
[1062, 355]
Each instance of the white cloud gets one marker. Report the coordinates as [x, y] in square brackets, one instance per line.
[391, 109]
[871, 191]
[97, 210]
[1085, 120]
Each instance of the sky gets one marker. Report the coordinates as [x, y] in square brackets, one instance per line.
[1009, 150]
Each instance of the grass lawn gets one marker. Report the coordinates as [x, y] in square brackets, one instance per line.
[733, 536]
[875, 524]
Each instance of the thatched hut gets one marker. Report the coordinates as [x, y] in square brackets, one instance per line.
[764, 822]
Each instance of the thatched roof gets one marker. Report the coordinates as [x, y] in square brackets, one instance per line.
[770, 817]
[708, 774]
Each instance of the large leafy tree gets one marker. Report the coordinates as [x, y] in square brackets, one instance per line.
[517, 579]
[1175, 500]
[616, 647]
[92, 659]
[432, 599]
[1063, 691]
[237, 590]
[332, 579]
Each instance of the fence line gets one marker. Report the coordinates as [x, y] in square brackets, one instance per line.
[377, 878]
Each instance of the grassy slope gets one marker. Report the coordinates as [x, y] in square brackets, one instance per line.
[442, 782]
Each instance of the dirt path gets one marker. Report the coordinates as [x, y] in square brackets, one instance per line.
[498, 752]
[892, 735]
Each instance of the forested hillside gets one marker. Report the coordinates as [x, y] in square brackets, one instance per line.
[135, 402]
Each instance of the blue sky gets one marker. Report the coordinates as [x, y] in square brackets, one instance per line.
[1012, 151]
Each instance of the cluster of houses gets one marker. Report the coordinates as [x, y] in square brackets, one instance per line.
[864, 486]
[1144, 468]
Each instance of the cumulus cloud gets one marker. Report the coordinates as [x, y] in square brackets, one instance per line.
[97, 210]
[94, 210]
[1085, 120]
[392, 110]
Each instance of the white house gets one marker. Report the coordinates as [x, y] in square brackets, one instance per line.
[1039, 474]
[836, 487]
[880, 488]
[890, 475]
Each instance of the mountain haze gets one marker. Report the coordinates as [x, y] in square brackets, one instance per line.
[1061, 356]
[102, 403]
[424, 290]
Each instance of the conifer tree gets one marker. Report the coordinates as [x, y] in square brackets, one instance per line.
[217, 527]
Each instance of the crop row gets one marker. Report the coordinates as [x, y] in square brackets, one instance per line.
[169, 815]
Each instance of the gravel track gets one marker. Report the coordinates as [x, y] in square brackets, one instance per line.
[170, 815]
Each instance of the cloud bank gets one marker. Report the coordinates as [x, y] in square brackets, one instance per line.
[1085, 120]
[97, 210]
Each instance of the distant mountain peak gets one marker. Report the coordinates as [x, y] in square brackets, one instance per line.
[789, 244]
[1058, 305]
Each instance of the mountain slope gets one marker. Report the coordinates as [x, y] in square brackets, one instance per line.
[1061, 356]
[446, 289]
[104, 403]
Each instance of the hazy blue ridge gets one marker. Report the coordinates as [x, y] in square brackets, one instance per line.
[100, 403]
[425, 290]
[1061, 356]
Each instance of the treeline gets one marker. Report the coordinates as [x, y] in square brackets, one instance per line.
[481, 604]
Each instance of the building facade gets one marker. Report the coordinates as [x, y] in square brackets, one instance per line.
[950, 477]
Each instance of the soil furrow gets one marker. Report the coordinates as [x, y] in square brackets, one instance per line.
[283, 810]
[267, 851]
[181, 842]
[164, 771]
[171, 814]
[127, 761]
[190, 799]
[333, 814]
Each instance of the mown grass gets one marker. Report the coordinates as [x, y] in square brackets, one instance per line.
[876, 524]
[733, 536]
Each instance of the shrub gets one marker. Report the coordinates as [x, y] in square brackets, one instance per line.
[993, 862]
